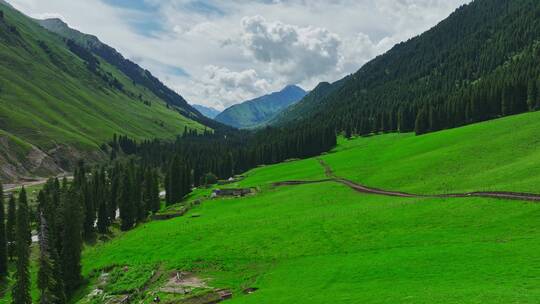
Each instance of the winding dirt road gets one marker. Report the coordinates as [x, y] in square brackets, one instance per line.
[530, 197]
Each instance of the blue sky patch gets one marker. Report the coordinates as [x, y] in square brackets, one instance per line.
[147, 27]
[140, 5]
[204, 7]
[177, 71]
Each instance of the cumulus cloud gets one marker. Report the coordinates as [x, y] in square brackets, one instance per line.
[299, 53]
[224, 87]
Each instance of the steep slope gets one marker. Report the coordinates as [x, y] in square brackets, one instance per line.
[480, 63]
[59, 102]
[327, 237]
[259, 111]
[310, 103]
[207, 111]
[134, 72]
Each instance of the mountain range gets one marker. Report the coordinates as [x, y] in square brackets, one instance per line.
[63, 94]
[207, 111]
[259, 111]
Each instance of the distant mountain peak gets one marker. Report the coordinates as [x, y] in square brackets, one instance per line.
[206, 111]
[291, 87]
[55, 20]
[257, 112]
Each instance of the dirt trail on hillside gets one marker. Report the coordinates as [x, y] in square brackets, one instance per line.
[30, 183]
[298, 182]
[531, 197]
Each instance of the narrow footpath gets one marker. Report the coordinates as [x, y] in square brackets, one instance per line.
[530, 197]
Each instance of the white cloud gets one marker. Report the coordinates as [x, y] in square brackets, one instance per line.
[297, 53]
[225, 87]
[229, 55]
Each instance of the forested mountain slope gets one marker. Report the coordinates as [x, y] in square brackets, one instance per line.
[309, 103]
[59, 102]
[259, 111]
[480, 63]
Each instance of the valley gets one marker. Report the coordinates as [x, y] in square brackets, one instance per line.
[326, 236]
[408, 171]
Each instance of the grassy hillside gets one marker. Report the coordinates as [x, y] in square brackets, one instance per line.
[259, 111]
[325, 243]
[503, 154]
[54, 103]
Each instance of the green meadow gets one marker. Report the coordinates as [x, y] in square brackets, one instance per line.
[502, 155]
[325, 243]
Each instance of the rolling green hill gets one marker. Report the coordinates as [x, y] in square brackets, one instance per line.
[59, 102]
[480, 63]
[257, 112]
[325, 243]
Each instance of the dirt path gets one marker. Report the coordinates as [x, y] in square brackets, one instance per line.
[30, 183]
[531, 197]
[295, 183]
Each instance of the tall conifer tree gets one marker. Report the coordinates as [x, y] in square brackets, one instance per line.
[3, 237]
[72, 240]
[124, 203]
[21, 288]
[46, 281]
[10, 227]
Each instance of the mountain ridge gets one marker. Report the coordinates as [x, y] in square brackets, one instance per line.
[59, 102]
[468, 68]
[257, 112]
[206, 111]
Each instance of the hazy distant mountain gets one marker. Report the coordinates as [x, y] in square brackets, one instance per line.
[259, 111]
[207, 111]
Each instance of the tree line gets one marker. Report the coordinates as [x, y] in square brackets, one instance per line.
[192, 157]
[67, 215]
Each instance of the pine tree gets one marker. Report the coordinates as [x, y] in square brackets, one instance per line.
[114, 192]
[537, 106]
[3, 240]
[46, 281]
[51, 210]
[21, 288]
[124, 203]
[167, 182]
[10, 227]
[72, 241]
[100, 200]
[531, 94]
[422, 122]
[103, 212]
[506, 103]
[141, 212]
[155, 202]
[87, 195]
[147, 190]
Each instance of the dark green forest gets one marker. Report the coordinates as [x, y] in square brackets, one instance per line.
[481, 63]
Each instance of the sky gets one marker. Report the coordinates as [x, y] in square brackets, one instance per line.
[221, 52]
